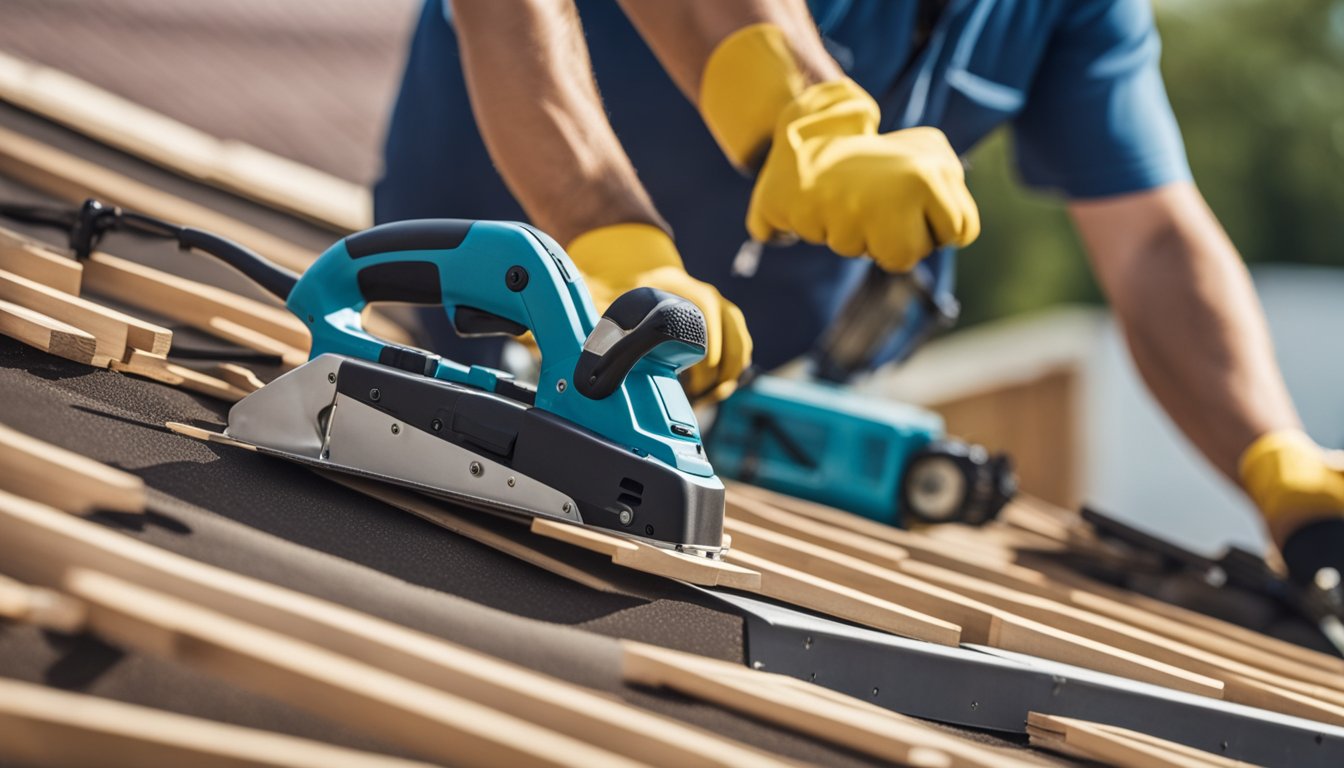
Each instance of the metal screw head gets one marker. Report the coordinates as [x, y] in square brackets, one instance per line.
[476, 469]
[396, 428]
[331, 378]
[626, 516]
[512, 481]
[436, 425]
[561, 385]
[874, 691]
[375, 395]
[567, 508]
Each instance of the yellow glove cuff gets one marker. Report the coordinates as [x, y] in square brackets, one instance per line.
[618, 253]
[1292, 480]
[748, 80]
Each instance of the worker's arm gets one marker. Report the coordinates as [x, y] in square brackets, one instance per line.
[1198, 336]
[774, 99]
[1194, 325]
[537, 106]
[536, 103]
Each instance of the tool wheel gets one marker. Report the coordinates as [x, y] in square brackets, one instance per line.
[949, 481]
[937, 486]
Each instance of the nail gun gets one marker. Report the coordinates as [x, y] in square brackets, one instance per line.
[607, 439]
[815, 439]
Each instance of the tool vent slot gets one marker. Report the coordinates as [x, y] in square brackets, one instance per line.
[632, 492]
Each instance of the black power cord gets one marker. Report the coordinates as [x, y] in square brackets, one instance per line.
[85, 227]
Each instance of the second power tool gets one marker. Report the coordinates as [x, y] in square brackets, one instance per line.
[816, 439]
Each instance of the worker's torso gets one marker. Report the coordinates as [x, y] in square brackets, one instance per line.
[969, 76]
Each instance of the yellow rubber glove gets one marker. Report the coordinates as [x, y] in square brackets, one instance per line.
[1293, 481]
[620, 257]
[829, 176]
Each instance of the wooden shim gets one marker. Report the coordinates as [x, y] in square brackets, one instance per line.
[74, 179]
[47, 333]
[648, 558]
[800, 588]
[981, 622]
[789, 704]
[25, 258]
[244, 379]
[158, 368]
[438, 513]
[1116, 746]
[387, 707]
[41, 545]
[205, 435]
[188, 301]
[63, 479]
[45, 727]
[231, 165]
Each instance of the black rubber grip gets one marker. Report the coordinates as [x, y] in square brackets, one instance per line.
[649, 317]
[413, 235]
[414, 282]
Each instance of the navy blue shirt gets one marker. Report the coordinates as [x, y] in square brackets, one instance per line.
[1077, 81]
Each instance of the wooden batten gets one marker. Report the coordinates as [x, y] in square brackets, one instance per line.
[26, 258]
[188, 301]
[387, 707]
[63, 479]
[42, 727]
[47, 334]
[1116, 746]
[823, 714]
[41, 546]
[442, 515]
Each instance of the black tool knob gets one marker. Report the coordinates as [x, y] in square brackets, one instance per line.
[639, 323]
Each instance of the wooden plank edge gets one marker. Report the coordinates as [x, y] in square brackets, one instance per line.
[41, 726]
[64, 479]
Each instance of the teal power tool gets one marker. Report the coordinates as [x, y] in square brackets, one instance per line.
[815, 439]
[607, 439]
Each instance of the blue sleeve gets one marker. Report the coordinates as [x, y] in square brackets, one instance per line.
[1097, 121]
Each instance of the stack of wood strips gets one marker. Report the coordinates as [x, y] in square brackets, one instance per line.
[44, 303]
[408, 690]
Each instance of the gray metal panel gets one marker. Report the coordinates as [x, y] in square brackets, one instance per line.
[992, 689]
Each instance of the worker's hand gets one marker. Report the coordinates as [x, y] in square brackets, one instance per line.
[831, 178]
[618, 258]
[1299, 488]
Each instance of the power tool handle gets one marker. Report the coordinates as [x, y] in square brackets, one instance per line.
[644, 322]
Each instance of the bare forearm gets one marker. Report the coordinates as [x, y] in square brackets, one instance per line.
[1193, 323]
[683, 34]
[532, 90]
